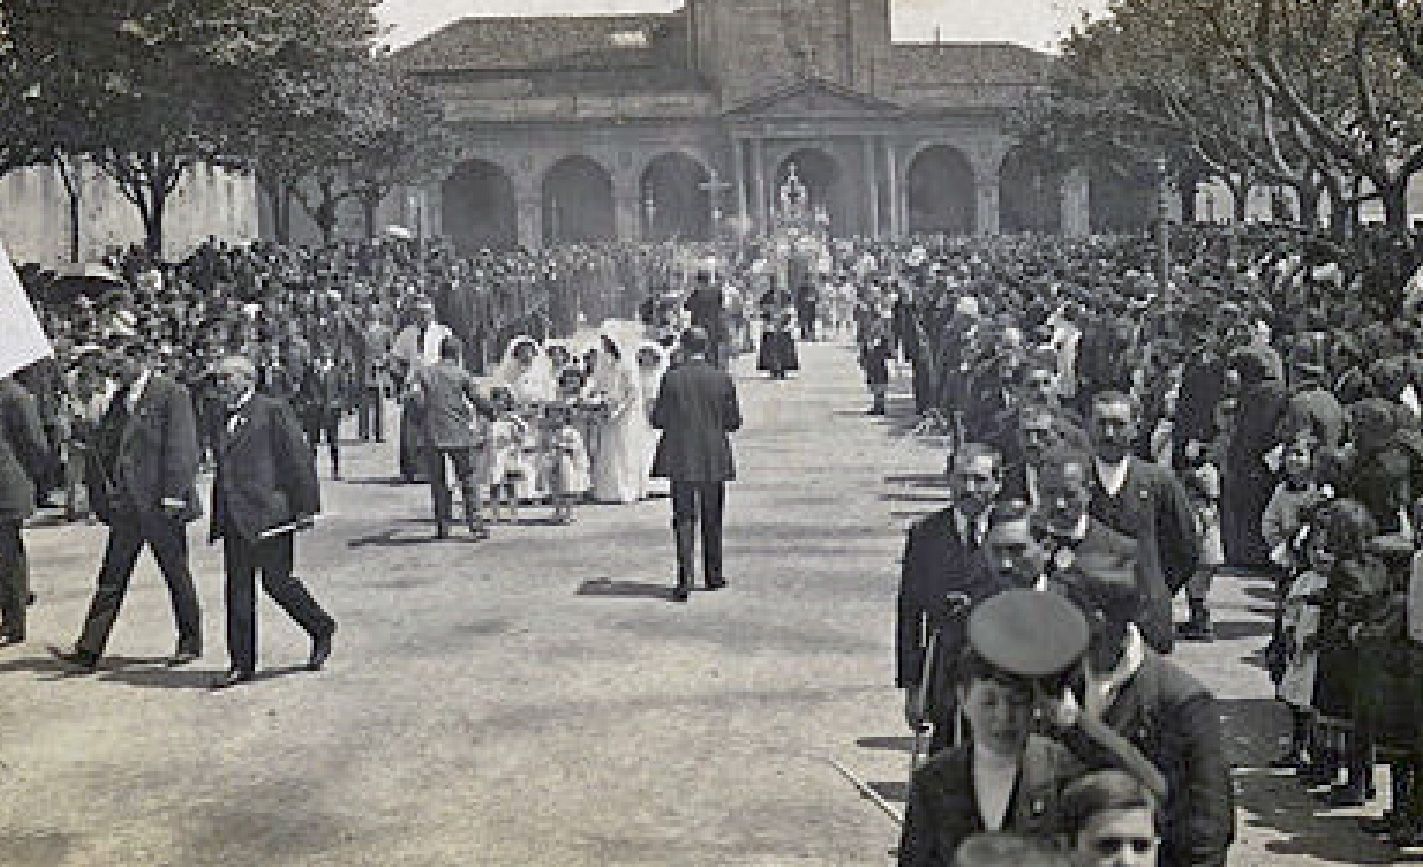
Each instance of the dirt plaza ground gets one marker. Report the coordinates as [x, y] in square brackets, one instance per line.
[535, 699]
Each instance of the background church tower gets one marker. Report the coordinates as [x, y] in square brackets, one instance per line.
[747, 47]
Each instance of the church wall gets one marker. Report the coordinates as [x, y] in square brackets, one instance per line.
[34, 218]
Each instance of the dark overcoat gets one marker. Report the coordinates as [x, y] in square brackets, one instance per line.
[157, 457]
[266, 476]
[22, 450]
[696, 408]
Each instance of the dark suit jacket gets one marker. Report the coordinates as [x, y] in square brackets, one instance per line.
[22, 451]
[704, 305]
[943, 810]
[1175, 722]
[936, 564]
[1154, 617]
[266, 476]
[1152, 508]
[157, 456]
[695, 410]
[449, 400]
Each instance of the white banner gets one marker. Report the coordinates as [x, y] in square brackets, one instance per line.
[22, 340]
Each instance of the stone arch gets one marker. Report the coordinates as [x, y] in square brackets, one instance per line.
[680, 208]
[577, 194]
[478, 207]
[1029, 193]
[823, 178]
[940, 191]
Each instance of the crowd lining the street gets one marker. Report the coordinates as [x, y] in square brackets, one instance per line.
[1111, 436]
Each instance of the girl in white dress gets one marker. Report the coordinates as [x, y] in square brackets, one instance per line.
[618, 475]
[526, 372]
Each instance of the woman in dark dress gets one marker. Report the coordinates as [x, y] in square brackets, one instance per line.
[778, 353]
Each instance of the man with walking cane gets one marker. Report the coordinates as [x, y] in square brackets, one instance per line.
[944, 561]
[265, 492]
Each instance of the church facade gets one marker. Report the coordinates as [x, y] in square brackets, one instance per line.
[686, 124]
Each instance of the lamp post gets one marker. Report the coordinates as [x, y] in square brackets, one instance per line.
[1163, 228]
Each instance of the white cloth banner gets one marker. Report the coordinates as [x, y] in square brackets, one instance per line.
[22, 340]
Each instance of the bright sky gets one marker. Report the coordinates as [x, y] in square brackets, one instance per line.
[1036, 23]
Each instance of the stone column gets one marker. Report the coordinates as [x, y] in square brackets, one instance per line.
[1076, 203]
[738, 159]
[872, 185]
[896, 221]
[758, 173]
[530, 220]
[986, 219]
[627, 207]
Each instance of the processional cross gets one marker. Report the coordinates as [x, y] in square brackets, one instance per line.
[714, 186]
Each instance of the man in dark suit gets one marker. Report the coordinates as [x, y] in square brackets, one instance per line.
[323, 402]
[1161, 710]
[1071, 532]
[22, 455]
[1140, 499]
[695, 410]
[944, 569]
[704, 304]
[143, 484]
[265, 491]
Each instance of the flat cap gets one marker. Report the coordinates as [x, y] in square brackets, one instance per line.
[1028, 633]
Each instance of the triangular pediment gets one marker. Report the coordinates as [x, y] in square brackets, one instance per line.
[814, 97]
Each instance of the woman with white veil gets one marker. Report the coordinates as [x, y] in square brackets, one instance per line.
[618, 475]
[527, 373]
[652, 360]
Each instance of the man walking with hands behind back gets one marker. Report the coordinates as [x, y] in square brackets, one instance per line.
[695, 410]
[265, 491]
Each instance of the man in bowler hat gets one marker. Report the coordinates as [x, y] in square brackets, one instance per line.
[265, 491]
[696, 409]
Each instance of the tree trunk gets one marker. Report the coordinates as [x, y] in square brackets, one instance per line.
[73, 188]
[1240, 193]
[1395, 204]
[153, 222]
[1308, 195]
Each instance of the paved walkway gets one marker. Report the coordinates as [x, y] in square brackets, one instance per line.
[535, 699]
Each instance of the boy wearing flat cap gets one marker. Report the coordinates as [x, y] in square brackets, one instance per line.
[1004, 777]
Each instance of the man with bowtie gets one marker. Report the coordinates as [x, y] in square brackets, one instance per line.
[1069, 531]
[143, 485]
[1137, 498]
[944, 561]
[264, 493]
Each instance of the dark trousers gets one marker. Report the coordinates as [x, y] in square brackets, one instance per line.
[370, 413]
[462, 461]
[696, 503]
[14, 580]
[168, 539]
[242, 559]
[324, 423]
[412, 461]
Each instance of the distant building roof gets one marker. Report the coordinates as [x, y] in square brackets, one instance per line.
[930, 63]
[548, 42]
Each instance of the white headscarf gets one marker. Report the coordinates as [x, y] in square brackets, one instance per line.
[618, 378]
[650, 378]
[527, 382]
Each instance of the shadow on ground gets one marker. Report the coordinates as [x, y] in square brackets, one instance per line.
[608, 588]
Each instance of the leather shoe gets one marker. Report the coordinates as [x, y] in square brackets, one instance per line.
[233, 677]
[320, 650]
[8, 639]
[716, 584]
[182, 657]
[77, 659]
[681, 592]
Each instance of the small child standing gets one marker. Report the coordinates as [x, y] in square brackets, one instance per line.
[569, 474]
[1202, 483]
[504, 464]
[1301, 654]
[1284, 518]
